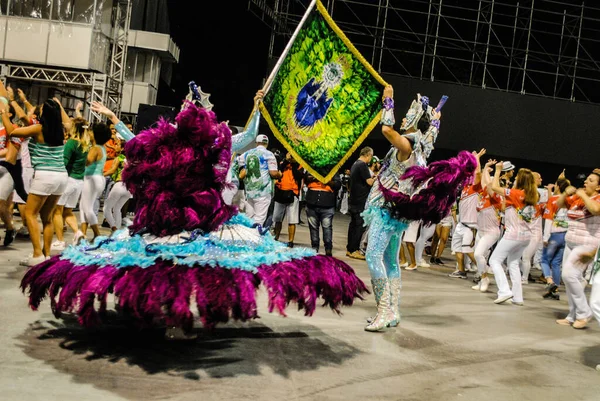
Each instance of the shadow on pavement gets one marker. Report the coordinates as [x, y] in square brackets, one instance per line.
[123, 360]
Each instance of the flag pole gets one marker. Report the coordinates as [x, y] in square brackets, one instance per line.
[271, 77]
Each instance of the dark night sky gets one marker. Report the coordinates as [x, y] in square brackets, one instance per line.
[224, 49]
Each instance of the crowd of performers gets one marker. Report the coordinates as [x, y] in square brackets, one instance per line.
[189, 245]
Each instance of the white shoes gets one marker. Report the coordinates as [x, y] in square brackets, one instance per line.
[501, 300]
[78, 236]
[31, 261]
[422, 263]
[58, 246]
[403, 265]
[484, 284]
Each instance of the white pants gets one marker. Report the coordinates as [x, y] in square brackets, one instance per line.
[572, 276]
[72, 193]
[93, 185]
[115, 201]
[6, 184]
[595, 296]
[528, 254]
[483, 243]
[228, 193]
[511, 251]
[27, 178]
[426, 233]
[462, 238]
[257, 209]
[410, 234]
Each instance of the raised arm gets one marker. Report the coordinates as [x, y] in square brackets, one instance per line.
[21, 115]
[496, 181]
[388, 120]
[120, 127]
[78, 108]
[486, 178]
[241, 140]
[478, 169]
[66, 120]
[30, 108]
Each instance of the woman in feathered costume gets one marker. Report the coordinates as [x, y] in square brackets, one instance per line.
[186, 245]
[407, 189]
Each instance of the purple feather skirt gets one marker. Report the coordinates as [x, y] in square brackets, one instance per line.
[166, 292]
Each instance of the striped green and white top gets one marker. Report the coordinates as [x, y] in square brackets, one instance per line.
[47, 158]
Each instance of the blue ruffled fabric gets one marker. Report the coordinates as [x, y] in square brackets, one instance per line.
[389, 223]
[197, 250]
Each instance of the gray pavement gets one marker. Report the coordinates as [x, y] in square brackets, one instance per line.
[453, 344]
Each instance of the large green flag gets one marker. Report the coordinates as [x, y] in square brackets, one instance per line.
[325, 98]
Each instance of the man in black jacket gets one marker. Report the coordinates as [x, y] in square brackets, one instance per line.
[320, 209]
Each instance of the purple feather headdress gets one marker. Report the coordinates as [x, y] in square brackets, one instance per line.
[177, 172]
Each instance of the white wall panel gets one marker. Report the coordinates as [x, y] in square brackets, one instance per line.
[27, 40]
[69, 45]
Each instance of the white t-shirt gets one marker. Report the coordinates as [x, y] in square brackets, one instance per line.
[258, 162]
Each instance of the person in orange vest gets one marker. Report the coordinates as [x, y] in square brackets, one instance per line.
[287, 202]
[320, 209]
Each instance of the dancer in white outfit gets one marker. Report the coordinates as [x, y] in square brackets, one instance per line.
[583, 237]
[520, 211]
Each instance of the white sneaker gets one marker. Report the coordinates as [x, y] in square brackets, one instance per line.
[422, 263]
[403, 265]
[524, 282]
[477, 287]
[501, 300]
[77, 237]
[31, 261]
[58, 246]
[23, 231]
[127, 222]
[410, 268]
[484, 284]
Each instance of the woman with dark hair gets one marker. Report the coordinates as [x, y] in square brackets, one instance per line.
[50, 176]
[583, 237]
[93, 180]
[520, 202]
[555, 229]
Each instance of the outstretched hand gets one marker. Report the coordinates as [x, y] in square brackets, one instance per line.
[479, 154]
[99, 108]
[490, 162]
[22, 95]
[499, 166]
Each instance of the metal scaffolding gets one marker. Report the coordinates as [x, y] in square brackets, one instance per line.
[116, 75]
[86, 85]
[545, 48]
